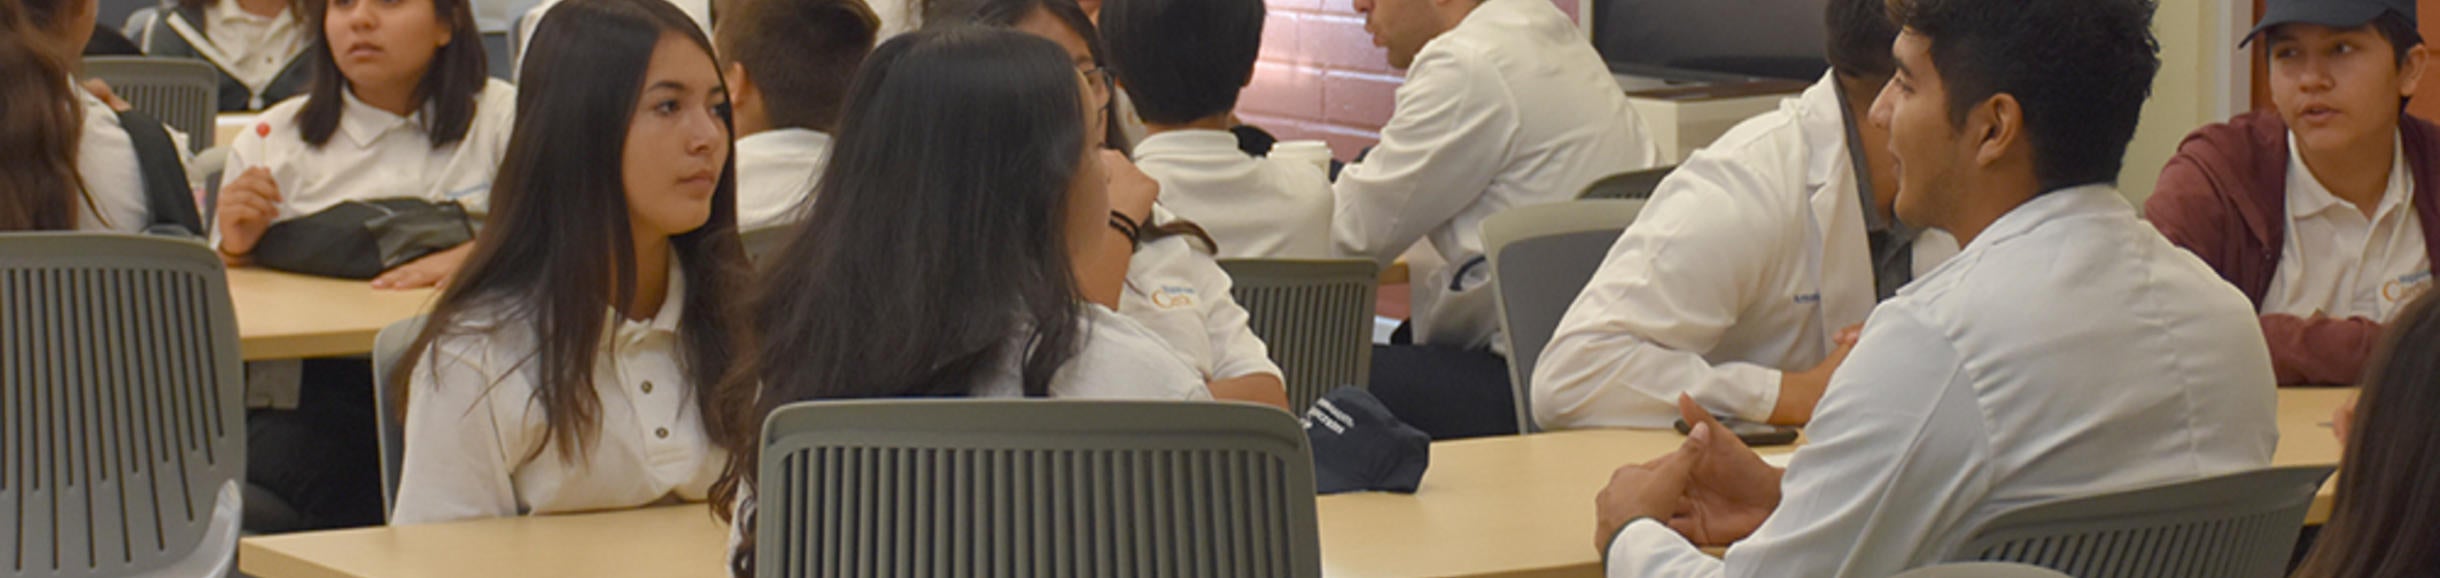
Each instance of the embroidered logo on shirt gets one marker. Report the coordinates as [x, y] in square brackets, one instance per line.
[1173, 297]
[1808, 299]
[2406, 288]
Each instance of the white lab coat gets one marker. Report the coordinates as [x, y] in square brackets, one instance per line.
[1256, 208]
[1510, 108]
[1747, 261]
[2069, 350]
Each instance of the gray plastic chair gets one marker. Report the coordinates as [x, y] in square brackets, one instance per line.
[1034, 488]
[183, 92]
[1631, 185]
[2241, 525]
[1541, 257]
[1316, 316]
[1983, 570]
[122, 413]
[388, 347]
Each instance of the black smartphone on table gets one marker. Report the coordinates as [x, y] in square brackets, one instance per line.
[1753, 434]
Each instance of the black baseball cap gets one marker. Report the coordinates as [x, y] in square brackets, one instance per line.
[2332, 13]
[1358, 446]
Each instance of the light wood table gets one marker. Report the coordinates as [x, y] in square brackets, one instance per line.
[289, 316]
[1515, 506]
[664, 542]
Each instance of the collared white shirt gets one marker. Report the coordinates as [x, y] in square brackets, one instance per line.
[376, 155]
[1119, 359]
[253, 48]
[1510, 108]
[1180, 293]
[473, 423]
[1746, 262]
[2069, 350]
[2339, 263]
[106, 158]
[1257, 208]
[775, 173]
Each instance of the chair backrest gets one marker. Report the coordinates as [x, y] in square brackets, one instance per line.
[1631, 185]
[499, 52]
[1316, 316]
[1983, 570]
[2241, 525]
[1541, 257]
[765, 242]
[122, 418]
[183, 92]
[1034, 488]
[388, 347]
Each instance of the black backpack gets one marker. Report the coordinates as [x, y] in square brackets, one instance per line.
[166, 195]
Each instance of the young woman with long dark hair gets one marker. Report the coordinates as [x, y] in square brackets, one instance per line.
[942, 258]
[2381, 524]
[576, 363]
[40, 126]
[1067, 23]
[400, 105]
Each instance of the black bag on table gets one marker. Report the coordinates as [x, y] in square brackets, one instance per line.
[361, 239]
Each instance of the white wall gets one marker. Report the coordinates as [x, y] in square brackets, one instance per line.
[2201, 79]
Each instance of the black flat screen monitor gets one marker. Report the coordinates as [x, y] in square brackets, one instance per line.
[1755, 38]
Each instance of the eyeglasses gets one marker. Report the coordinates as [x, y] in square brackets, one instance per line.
[1098, 78]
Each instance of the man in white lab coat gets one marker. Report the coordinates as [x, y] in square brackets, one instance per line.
[2067, 350]
[1737, 279]
[1505, 104]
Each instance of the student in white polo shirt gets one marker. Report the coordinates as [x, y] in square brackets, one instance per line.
[946, 255]
[788, 64]
[1505, 104]
[577, 364]
[400, 107]
[1752, 257]
[1184, 62]
[51, 33]
[2067, 350]
[1176, 289]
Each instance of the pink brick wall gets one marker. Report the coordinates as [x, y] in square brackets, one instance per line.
[1321, 78]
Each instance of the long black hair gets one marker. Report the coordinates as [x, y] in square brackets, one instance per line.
[2381, 523]
[939, 249]
[559, 252]
[448, 90]
[41, 120]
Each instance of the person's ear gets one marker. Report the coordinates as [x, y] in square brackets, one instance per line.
[2410, 70]
[1998, 125]
[741, 85]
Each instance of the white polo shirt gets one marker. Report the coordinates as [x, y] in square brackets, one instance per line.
[2338, 262]
[376, 155]
[1257, 208]
[249, 47]
[106, 158]
[1119, 359]
[472, 422]
[775, 173]
[1181, 294]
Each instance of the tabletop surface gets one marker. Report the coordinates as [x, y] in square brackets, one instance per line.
[290, 316]
[1511, 506]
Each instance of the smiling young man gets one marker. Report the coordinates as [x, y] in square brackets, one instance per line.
[2066, 350]
[2320, 210]
[1505, 104]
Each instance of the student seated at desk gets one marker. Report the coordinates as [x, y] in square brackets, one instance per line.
[2068, 350]
[1177, 290]
[951, 252]
[257, 46]
[788, 64]
[400, 106]
[576, 363]
[1505, 104]
[2326, 211]
[103, 188]
[2380, 525]
[1737, 280]
[1184, 62]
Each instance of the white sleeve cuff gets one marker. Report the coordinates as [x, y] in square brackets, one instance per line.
[1648, 548]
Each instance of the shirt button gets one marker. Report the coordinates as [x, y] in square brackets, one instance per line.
[662, 433]
[647, 387]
